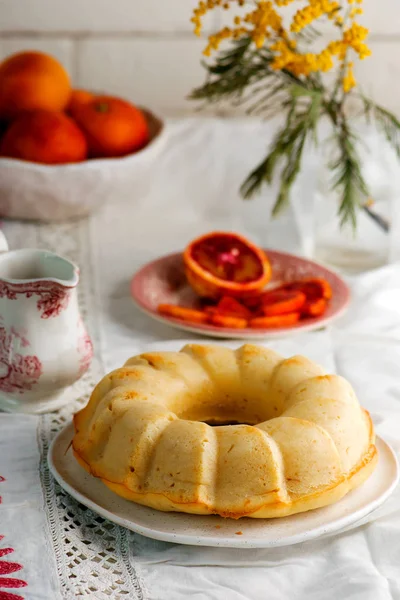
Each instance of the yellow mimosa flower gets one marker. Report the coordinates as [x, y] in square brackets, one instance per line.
[349, 81]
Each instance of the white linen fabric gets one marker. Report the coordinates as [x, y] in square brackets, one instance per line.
[67, 551]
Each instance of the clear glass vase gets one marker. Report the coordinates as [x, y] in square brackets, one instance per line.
[376, 239]
[351, 250]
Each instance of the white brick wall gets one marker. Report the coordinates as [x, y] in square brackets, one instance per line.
[144, 49]
[157, 72]
[85, 16]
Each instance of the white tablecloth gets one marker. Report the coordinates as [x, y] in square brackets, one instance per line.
[62, 550]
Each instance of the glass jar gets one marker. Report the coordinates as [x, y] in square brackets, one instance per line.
[348, 249]
[376, 239]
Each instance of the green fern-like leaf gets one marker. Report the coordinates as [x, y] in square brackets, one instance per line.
[231, 73]
[389, 125]
[287, 147]
[348, 179]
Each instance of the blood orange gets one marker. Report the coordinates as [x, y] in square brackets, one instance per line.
[281, 302]
[314, 307]
[181, 312]
[226, 264]
[313, 288]
[275, 321]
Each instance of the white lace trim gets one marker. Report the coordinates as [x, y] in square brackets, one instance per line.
[92, 554]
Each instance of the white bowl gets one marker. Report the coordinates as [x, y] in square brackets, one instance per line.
[58, 192]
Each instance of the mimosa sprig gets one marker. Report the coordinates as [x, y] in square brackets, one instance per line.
[272, 69]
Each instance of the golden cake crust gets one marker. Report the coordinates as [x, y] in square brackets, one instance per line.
[302, 440]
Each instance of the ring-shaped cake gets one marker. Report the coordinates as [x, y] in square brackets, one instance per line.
[210, 430]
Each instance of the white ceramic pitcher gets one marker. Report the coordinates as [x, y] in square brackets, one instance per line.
[44, 346]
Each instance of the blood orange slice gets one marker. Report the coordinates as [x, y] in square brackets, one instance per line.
[314, 308]
[221, 263]
[232, 308]
[281, 302]
[225, 321]
[275, 321]
[313, 288]
[181, 312]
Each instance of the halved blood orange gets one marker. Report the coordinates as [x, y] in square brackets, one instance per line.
[225, 264]
[281, 302]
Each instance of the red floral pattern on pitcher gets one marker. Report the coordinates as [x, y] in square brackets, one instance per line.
[6, 568]
[85, 348]
[18, 373]
[53, 298]
[21, 335]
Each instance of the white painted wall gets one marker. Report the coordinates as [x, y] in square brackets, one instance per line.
[144, 49]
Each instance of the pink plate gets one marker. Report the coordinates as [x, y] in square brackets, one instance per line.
[163, 281]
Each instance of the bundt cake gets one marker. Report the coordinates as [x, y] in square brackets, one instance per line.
[209, 430]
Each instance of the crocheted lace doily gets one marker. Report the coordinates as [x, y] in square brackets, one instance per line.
[92, 554]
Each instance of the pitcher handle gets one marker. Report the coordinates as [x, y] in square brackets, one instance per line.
[3, 242]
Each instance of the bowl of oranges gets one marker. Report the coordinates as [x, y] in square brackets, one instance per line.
[64, 152]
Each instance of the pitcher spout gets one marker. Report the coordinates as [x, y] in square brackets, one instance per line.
[21, 266]
[60, 270]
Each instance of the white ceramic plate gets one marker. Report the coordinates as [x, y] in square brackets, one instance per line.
[213, 530]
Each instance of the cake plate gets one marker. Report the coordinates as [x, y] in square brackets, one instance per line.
[198, 530]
